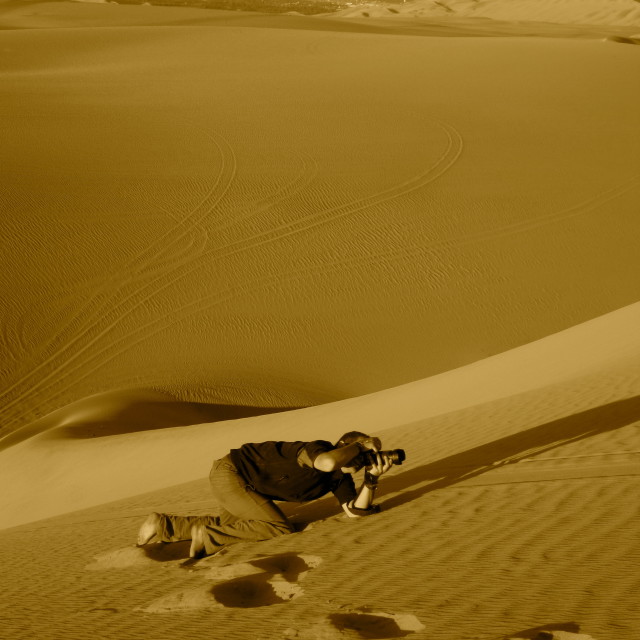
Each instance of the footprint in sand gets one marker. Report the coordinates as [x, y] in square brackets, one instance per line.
[550, 634]
[118, 559]
[260, 582]
[135, 556]
[363, 622]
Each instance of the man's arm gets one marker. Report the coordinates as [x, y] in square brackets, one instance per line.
[364, 500]
[341, 457]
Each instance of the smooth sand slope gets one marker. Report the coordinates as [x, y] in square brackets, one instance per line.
[211, 215]
[244, 214]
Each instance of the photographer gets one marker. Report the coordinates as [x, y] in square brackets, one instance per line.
[247, 481]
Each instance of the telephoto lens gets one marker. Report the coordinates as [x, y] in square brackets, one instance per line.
[397, 456]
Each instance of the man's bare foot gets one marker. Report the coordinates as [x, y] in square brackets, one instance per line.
[197, 549]
[149, 529]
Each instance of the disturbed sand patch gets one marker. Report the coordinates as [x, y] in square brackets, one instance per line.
[260, 582]
[354, 623]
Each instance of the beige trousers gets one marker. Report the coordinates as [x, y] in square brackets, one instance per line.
[244, 514]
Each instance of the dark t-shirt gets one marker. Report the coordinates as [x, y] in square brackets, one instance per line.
[284, 471]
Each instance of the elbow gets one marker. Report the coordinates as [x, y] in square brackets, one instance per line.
[325, 462]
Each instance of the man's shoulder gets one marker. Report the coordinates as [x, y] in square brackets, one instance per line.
[311, 450]
[285, 449]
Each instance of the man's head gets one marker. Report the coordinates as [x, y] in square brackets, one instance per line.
[350, 437]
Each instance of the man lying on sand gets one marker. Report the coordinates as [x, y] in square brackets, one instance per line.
[246, 482]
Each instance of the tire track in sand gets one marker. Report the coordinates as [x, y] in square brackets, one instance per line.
[147, 268]
[326, 216]
[425, 249]
[446, 160]
[133, 268]
[389, 257]
[225, 295]
[329, 215]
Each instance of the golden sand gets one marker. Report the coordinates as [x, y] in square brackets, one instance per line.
[414, 224]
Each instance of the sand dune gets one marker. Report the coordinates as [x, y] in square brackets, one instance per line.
[282, 217]
[574, 12]
[209, 217]
[515, 514]
[595, 362]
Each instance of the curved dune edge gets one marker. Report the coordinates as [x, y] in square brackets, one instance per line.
[590, 370]
[407, 227]
[610, 12]
[128, 410]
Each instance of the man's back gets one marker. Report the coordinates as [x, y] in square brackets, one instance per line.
[285, 471]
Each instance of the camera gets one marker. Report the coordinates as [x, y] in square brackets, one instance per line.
[369, 458]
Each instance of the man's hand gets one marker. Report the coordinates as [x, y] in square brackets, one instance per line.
[382, 464]
[373, 444]
[363, 504]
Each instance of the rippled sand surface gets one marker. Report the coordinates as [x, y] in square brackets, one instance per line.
[417, 226]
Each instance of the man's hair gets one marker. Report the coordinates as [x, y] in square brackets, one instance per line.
[350, 437]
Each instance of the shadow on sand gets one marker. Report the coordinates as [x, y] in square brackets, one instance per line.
[487, 457]
[459, 467]
[545, 632]
[511, 449]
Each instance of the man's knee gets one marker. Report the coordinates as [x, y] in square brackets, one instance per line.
[282, 528]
